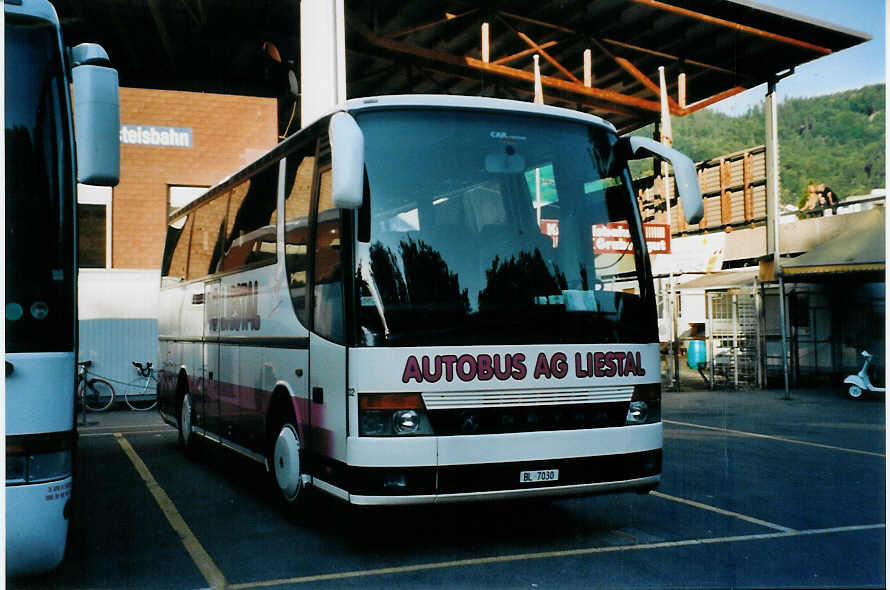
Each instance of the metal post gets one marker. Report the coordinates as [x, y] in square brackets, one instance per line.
[667, 139]
[772, 184]
[784, 336]
[83, 405]
[485, 44]
[323, 57]
[709, 315]
[735, 339]
[758, 311]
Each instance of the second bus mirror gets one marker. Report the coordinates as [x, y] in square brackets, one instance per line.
[96, 116]
[347, 161]
[684, 171]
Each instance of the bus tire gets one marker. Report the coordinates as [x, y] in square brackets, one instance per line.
[185, 421]
[285, 463]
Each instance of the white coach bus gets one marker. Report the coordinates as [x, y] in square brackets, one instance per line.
[42, 166]
[404, 303]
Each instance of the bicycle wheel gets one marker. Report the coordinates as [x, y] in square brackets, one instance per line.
[140, 395]
[98, 394]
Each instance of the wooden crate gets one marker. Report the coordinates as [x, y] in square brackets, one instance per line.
[733, 187]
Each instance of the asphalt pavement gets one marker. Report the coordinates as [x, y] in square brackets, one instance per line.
[757, 491]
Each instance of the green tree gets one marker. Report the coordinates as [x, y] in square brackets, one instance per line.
[837, 139]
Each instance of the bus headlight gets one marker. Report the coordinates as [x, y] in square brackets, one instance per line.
[37, 458]
[16, 470]
[371, 423]
[405, 421]
[637, 412]
[645, 405]
[37, 468]
[49, 466]
[392, 415]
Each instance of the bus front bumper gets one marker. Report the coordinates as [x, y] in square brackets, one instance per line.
[473, 468]
[36, 526]
[642, 485]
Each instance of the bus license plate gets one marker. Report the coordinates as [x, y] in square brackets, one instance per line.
[538, 476]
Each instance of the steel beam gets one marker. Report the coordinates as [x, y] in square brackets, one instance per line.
[734, 26]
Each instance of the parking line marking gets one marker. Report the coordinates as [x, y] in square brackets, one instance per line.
[124, 429]
[547, 555]
[152, 431]
[201, 558]
[746, 518]
[771, 437]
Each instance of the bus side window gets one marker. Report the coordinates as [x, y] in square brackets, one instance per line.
[328, 276]
[299, 173]
[207, 237]
[176, 250]
[251, 233]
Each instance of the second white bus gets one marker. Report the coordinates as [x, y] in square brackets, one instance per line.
[45, 155]
[405, 303]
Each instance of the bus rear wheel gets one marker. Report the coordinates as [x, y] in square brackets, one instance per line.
[187, 440]
[286, 468]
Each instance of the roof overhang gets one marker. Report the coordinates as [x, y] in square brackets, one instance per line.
[858, 249]
[725, 279]
[832, 269]
[711, 49]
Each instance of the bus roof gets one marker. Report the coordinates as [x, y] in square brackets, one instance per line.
[450, 101]
[36, 8]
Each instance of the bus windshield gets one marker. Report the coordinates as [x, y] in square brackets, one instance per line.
[493, 228]
[39, 225]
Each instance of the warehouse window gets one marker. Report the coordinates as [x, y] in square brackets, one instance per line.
[93, 226]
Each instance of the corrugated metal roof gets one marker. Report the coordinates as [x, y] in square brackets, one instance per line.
[858, 248]
[726, 279]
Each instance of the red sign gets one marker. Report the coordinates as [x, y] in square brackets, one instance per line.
[614, 238]
[658, 238]
[550, 227]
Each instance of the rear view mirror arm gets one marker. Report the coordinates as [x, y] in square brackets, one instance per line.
[634, 148]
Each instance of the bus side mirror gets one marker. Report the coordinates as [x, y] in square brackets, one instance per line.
[96, 116]
[684, 171]
[347, 161]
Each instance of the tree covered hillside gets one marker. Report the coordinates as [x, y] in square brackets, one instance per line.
[837, 139]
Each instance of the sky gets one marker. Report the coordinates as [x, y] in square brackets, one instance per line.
[851, 68]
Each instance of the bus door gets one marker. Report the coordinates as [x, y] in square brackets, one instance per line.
[213, 306]
[327, 350]
[327, 398]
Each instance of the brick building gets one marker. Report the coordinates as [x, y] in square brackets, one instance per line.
[174, 145]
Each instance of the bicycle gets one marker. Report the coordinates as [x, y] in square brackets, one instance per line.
[96, 394]
[139, 388]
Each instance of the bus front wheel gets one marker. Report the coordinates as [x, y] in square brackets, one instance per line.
[286, 466]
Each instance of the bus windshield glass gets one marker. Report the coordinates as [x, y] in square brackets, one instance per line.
[39, 210]
[495, 228]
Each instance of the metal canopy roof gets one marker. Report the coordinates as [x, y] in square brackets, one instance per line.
[724, 279]
[859, 248]
[722, 46]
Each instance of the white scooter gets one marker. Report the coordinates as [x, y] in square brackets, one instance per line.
[860, 382]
